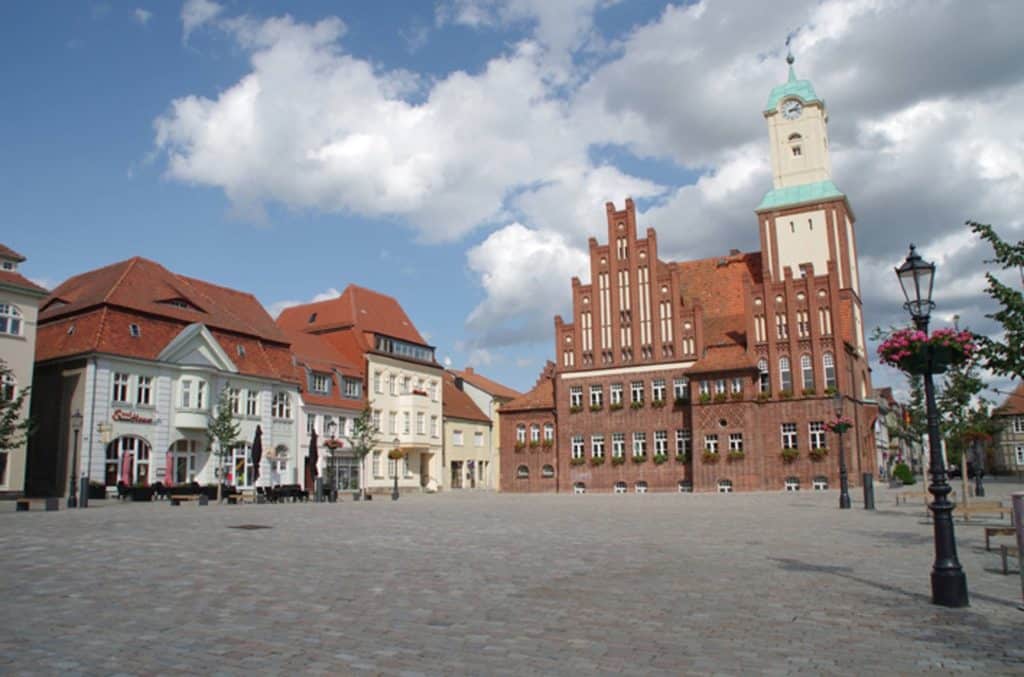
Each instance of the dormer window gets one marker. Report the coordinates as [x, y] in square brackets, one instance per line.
[796, 151]
[320, 383]
[9, 265]
[312, 318]
[134, 331]
[240, 349]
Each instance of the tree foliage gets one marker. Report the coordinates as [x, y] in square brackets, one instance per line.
[364, 436]
[223, 432]
[960, 407]
[14, 428]
[1004, 356]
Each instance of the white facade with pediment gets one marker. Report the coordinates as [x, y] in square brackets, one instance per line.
[145, 421]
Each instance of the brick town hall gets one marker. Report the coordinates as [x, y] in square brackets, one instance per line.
[717, 374]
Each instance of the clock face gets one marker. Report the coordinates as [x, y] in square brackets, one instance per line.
[791, 109]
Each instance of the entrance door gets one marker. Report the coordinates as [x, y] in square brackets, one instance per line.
[241, 473]
[456, 474]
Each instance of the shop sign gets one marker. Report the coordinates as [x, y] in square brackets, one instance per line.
[130, 416]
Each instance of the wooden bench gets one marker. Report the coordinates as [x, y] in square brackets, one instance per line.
[1004, 553]
[241, 497]
[982, 508]
[176, 499]
[997, 531]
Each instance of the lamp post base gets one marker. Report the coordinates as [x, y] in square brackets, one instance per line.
[844, 501]
[949, 588]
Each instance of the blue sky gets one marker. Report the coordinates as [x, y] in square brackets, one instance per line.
[457, 154]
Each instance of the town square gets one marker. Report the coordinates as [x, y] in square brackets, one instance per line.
[512, 336]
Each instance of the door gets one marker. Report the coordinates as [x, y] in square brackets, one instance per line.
[241, 474]
[456, 474]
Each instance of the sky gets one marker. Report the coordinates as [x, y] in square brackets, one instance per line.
[457, 154]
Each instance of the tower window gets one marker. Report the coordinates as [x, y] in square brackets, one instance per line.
[792, 227]
[794, 137]
[796, 151]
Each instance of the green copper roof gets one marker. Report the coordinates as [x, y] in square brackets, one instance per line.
[794, 195]
[792, 87]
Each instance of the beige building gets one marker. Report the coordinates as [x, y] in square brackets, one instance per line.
[1009, 441]
[488, 396]
[470, 456]
[19, 310]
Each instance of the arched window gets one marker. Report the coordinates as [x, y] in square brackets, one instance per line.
[547, 471]
[640, 487]
[792, 483]
[794, 137]
[549, 432]
[579, 488]
[535, 433]
[685, 487]
[521, 432]
[829, 363]
[820, 483]
[127, 460]
[8, 387]
[620, 487]
[764, 379]
[725, 486]
[183, 457]
[785, 376]
[807, 371]
[522, 472]
[10, 319]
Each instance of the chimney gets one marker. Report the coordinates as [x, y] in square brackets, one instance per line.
[468, 370]
[458, 382]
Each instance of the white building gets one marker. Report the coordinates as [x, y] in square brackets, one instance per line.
[402, 378]
[19, 306]
[488, 396]
[136, 358]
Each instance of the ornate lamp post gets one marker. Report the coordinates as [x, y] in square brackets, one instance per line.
[949, 584]
[394, 455]
[839, 429]
[76, 429]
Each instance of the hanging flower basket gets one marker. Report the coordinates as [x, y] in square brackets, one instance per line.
[333, 443]
[914, 352]
[839, 425]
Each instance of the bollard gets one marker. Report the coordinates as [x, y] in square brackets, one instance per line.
[869, 491]
[318, 490]
[83, 492]
[204, 499]
[52, 504]
[1018, 522]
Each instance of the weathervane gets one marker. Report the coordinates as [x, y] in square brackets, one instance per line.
[789, 50]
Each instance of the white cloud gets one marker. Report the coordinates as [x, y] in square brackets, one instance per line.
[525, 275]
[197, 13]
[142, 15]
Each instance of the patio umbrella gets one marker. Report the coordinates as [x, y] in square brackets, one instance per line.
[312, 454]
[256, 453]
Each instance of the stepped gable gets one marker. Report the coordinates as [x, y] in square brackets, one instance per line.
[92, 312]
[541, 396]
[457, 404]
[487, 385]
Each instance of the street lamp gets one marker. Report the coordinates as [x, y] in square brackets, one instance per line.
[76, 428]
[844, 482]
[396, 454]
[949, 584]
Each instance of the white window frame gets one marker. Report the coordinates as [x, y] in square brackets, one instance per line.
[457, 438]
[639, 443]
[596, 396]
[711, 443]
[549, 432]
[144, 391]
[281, 406]
[577, 446]
[615, 393]
[521, 433]
[684, 441]
[252, 403]
[11, 321]
[421, 423]
[661, 442]
[120, 391]
[321, 383]
[735, 441]
[576, 396]
[636, 391]
[478, 439]
[534, 432]
[789, 435]
[681, 388]
[597, 446]
[618, 445]
[658, 389]
[816, 434]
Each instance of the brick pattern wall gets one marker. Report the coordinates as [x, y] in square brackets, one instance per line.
[533, 458]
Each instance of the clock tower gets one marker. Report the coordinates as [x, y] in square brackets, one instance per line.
[797, 129]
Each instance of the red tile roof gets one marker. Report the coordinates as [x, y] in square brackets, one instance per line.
[357, 307]
[717, 283]
[8, 253]
[457, 404]
[1013, 405]
[485, 384]
[541, 396]
[13, 279]
[92, 312]
[316, 353]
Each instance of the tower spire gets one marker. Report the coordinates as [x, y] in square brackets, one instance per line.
[789, 57]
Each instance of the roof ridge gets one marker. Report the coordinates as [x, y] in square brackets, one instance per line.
[110, 292]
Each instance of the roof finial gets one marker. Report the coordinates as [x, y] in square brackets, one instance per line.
[789, 55]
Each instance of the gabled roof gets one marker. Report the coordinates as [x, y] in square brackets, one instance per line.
[1013, 405]
[456, 403]
[9, 278]
[316, 353]
[485, 384]
[145, 286]
[541, 396]
[8, 253]
[362, 309]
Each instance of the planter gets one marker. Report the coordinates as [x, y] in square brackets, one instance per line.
[640, 459]
[615, 407]
[577, 461]
[709, 457]
[657, 404]
[575, 410]
[596, 407]
[682, 458]
[789, 455]
[721, 397]
[618, 460]
[737, 455]
[597, 460]
[704, 398]
[817, 454]
[660, 458]
[636, 405]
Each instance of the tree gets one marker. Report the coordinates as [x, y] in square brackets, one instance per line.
[364, 437]
[223, 432]
[1004, 356]
[960, 413]
[14, 428]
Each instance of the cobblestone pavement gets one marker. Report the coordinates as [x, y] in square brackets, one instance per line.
[478, 583]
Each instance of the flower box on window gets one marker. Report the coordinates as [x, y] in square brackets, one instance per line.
[704, 398]
[642, 458]
[547, 444]
[789, 455]
[710, 457]
[520, 446]
[785, 394]
[597, 460]
[660, 458]
[636, 405]
[682, 458]
[763, 397]
[534, 444]
[721, 397]
[577, 461]
[830, 391]
[808, 392]
[615, 406]
[737, 455]
[575, 409]
[818, 454]
[736, 396]
[618, 460]
[596, 407]
[657, 404]
[422, 393]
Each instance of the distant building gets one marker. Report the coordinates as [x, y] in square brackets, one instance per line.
[893, 441]
[529, 448]
[716, 374]
[404, 382]
[468, 450]
[19, 307]
[489, 395]
[1009, 441]
[141, 356]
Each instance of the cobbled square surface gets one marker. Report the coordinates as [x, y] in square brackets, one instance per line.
[496, 584]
